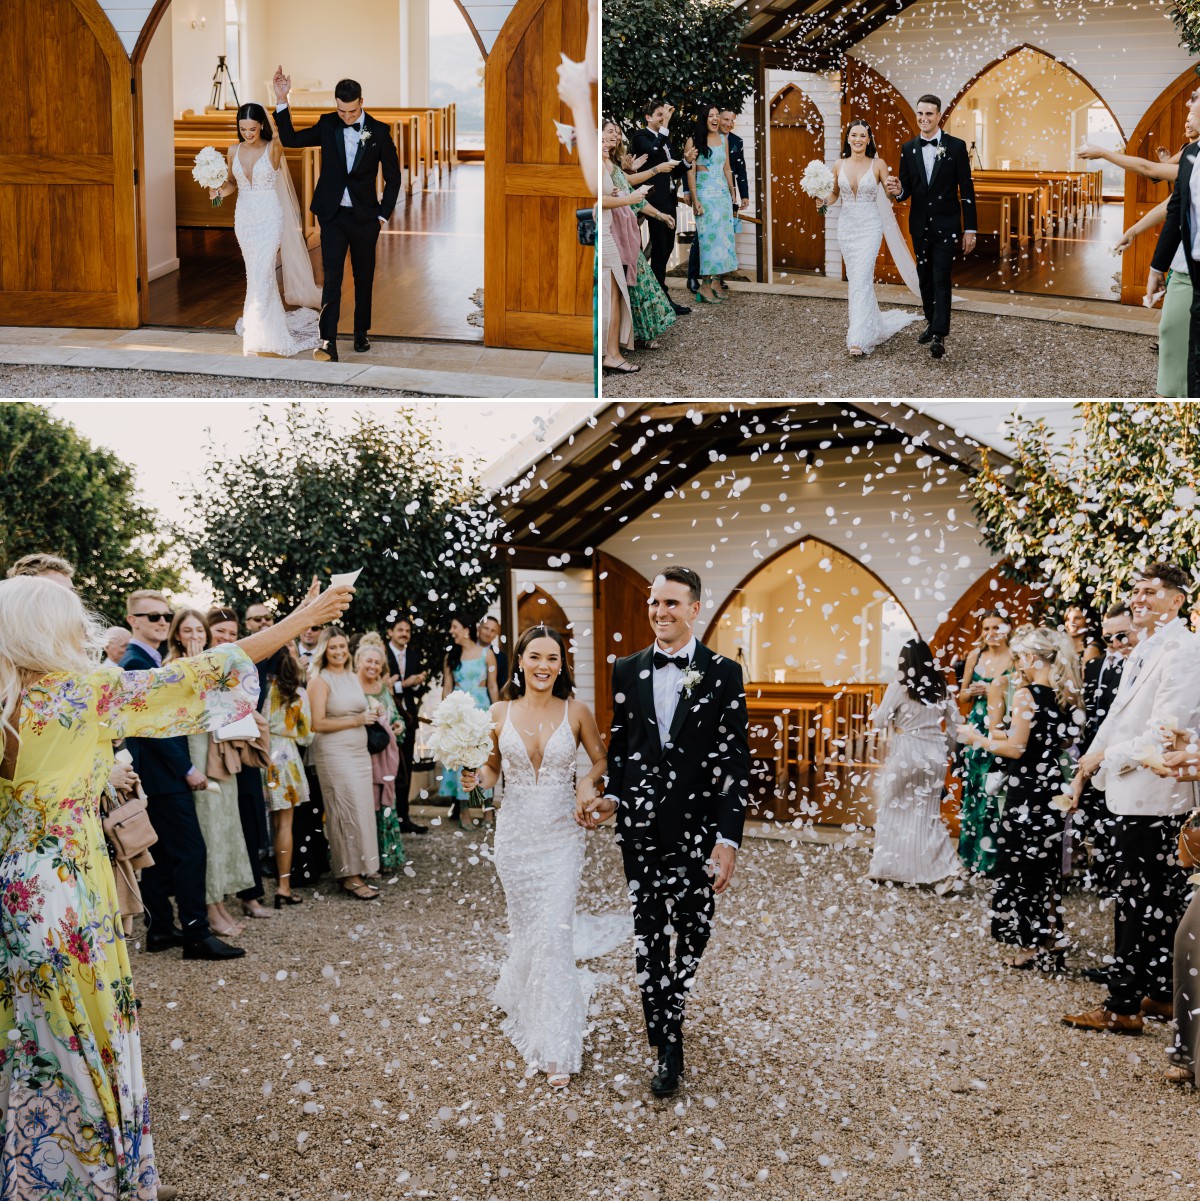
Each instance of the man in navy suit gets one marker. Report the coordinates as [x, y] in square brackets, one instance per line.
[169, 779]
[1178, 245]
[737, 165]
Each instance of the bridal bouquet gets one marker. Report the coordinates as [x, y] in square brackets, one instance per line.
[817, 182]
[211, 171]
[462, 737]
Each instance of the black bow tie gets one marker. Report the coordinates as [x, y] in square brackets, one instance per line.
[929, 141]
[357, 126]
[661, 660]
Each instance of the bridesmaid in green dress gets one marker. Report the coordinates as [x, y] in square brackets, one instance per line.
[990, 660]
[710, 182]
[469, 668]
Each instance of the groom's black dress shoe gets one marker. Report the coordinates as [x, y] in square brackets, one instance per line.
[926, 337]
[670, 1068]
[938, 347]
[326, 353]
[361, 344]
[171, 937]
[681, 310]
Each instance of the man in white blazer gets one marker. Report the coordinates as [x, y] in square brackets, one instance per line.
[1160, 687]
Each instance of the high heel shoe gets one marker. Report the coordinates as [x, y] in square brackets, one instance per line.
[700, 298]
[286, 898]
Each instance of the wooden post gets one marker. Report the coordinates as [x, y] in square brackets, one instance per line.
[762, 170]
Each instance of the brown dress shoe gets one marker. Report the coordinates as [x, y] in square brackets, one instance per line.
[1104, 1019]
[1164, 1011]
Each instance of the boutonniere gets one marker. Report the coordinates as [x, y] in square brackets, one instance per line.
[941, 151]
[364, 137]
[691, 678]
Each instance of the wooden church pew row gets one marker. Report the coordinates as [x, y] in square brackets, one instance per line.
[993, 215]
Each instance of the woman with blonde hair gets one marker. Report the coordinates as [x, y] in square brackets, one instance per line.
[75, 1120]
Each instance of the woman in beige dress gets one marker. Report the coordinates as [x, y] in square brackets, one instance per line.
[339, 753]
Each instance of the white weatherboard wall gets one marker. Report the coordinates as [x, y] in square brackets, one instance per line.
[915, 533]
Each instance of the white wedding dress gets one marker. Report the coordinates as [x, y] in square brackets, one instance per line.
[539, 855]
[258, 223]
[861, 228]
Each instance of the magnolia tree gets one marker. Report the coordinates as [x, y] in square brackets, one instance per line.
[1077, 519]
[684, 51]
[307, 498]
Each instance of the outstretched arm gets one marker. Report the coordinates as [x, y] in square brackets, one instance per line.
[1129, 162]
[1153, 218]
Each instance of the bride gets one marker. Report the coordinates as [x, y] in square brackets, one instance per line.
[866, 219]
[538, 730]
[267, 222]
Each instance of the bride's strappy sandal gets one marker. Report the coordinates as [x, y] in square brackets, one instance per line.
[558, 1079]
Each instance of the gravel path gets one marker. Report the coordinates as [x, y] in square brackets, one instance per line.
[770, 345]
[845, 1041]
[22, 381]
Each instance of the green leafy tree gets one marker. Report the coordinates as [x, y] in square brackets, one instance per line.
[61, 495]
[684, 51]
[1186, 16]
[1078, 518]
[308, 498]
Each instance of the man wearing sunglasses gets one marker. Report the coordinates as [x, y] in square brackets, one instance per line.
[169, 779]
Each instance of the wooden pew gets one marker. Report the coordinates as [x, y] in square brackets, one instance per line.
[994, 218]
[1072, 192]
[1031, 204]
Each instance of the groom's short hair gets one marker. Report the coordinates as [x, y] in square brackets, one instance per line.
[347, 90]
[685, 576]
[929, 98]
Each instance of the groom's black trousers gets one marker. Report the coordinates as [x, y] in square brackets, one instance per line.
[671, 893]
[935, 252]
[344, 232]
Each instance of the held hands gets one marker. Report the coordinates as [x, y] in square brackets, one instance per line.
[283, 84]
[892, 185]
[591, 810]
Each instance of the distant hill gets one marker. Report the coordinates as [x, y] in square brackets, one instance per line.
[454, 60]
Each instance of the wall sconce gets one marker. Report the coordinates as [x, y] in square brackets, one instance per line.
[200, 24]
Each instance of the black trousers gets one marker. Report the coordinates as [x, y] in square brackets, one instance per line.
[935, 257]
[671, 894]
[347, 232]
[1152, 894]
[662, 243]
[180, 864]
[252, 809]
[1027, 899]
[310, 851]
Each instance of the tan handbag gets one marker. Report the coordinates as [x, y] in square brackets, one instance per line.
[1189, 841]
[127, 826]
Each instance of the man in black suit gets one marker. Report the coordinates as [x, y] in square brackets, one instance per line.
[935, 171]
[678, 779]
[409, 676]
[489, 639]
[169, 779]
[737, 165]
[654, 141]
[353, 148]
[1179, 233]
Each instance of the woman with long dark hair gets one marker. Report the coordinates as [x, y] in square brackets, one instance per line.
[912, 845]
[537, 732]
[470, 668]
[710, 182]
[267, 222]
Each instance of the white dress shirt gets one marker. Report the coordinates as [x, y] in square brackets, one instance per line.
[401, 653]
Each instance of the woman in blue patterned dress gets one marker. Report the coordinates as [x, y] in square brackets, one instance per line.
[469, 668]
[710, 182]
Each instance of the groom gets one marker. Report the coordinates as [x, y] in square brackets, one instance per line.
[936, 172]
[353, 148]
[678, 776]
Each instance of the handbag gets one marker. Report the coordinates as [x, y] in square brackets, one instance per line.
[585, 226]
[127, 827]
[377, 738]
[1189, 841]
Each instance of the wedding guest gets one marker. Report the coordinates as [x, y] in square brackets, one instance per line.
[710, 182]
[654, 143]
[989, 660]
[489, 638]
[409, 683]
[306, 646]
[227, 862]
[1077, 627]
[1026, 903]
[618, 313]
[386, 768]
[116, 643]
[737, 166]
[468, 668]
[339, 753]
[289, 718]
[49, 567]
[912, 845]
[258, 617]
[252, 805]
[1161, 680]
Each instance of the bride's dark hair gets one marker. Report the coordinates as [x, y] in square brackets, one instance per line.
[254, 112]
[870, 139]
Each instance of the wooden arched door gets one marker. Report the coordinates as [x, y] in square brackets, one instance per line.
[621, 626]
[797, 137]
[867, 96]
[537, 278]
[68, 241]
[1162, 126]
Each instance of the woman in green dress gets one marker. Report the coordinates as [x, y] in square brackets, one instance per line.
[988, 661]
[387, 767]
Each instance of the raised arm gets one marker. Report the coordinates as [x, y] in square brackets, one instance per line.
[1129, 162]
[288, 134]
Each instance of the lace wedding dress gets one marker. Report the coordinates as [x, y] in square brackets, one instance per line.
[258, 223]
[539, 855]
[860, 232]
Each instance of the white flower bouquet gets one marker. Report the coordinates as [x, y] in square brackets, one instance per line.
[462, 737]
[817, 182]
[211, 171]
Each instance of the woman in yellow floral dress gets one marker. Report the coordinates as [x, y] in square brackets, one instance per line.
[74, 1113]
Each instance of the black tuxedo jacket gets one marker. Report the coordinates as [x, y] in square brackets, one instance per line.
[945, 203]
[737, 164]
[162, 764]
[1099, 689]
[657, 149]
[1177, 227]
[410, 698]
[696, 787]
[378, 150]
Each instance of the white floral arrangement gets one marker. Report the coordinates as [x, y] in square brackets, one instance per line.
[461, 737]
[211, 171]
[817, 182]
[691, 678]
[364, 137]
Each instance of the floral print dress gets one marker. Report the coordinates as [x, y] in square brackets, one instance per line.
[284, 782]
[74, 1113]
[652, 312]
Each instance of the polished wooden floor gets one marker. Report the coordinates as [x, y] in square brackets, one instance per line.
[428, 264]
[1080, 264]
